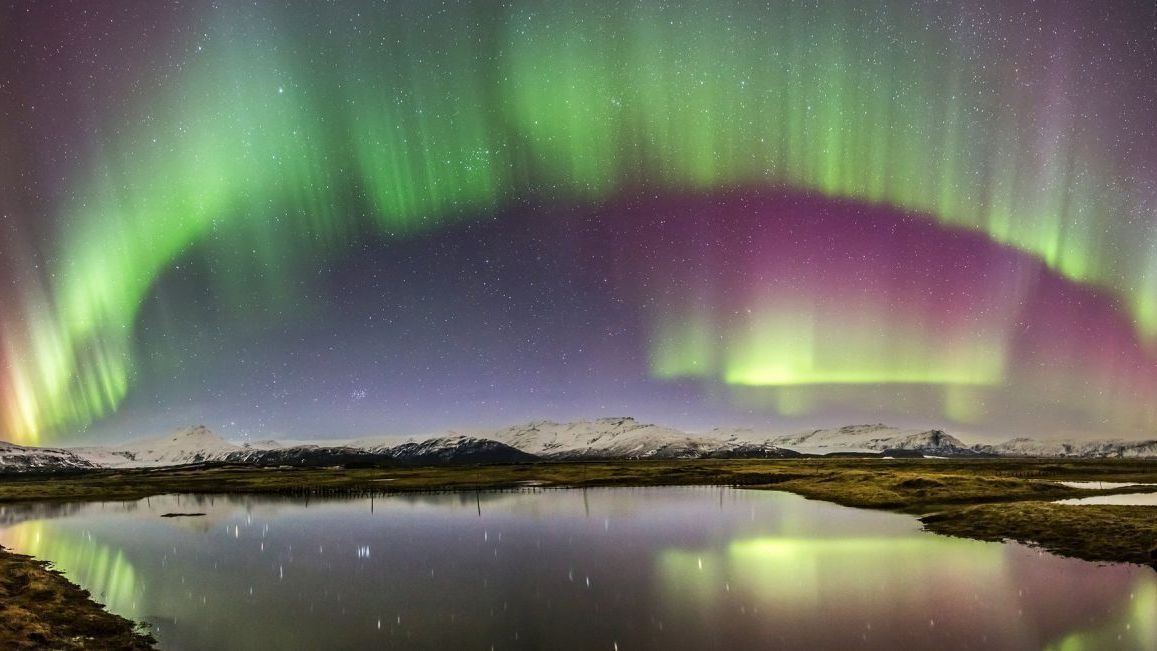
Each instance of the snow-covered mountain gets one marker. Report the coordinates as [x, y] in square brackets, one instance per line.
[20, 459]
[192, 445]
[435, 451]
[457, 449]
[623, 438]
[740, 449]
[200, 445]
[600, 438]
[1097, 449]
[305, 455]
[876, 438]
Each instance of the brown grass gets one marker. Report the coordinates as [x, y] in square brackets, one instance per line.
[1098, 533]
[40, 609]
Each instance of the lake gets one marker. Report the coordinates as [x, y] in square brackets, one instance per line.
[616, 568]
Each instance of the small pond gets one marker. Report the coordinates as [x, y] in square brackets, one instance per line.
[653, 568]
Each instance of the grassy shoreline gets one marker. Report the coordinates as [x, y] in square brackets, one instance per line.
[983, 499]
[41, 609]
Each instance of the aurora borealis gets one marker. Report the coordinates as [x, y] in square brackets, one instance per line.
[297, 218]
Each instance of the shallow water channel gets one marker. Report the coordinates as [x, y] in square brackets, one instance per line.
[616, 568]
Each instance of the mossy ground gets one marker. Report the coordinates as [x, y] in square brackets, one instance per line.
[1098, 533]
[40, 609]
[984, 499]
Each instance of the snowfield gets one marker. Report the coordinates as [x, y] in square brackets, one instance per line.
[600, 438]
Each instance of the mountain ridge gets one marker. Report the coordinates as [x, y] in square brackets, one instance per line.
[604, 438]
[20, 459]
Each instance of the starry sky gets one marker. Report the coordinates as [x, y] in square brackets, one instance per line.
[307, 219]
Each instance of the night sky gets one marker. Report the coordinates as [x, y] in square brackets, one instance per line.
[335, 219]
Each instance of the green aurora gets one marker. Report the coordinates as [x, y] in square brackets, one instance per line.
[278, 142]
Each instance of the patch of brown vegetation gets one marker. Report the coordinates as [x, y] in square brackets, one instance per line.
[1093, 532]
[40, 609]
[921, 490]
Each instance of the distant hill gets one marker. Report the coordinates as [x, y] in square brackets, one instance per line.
[1097, 449]
[20, 459]
[600, 438]
[200, 445]
[623, 438]
[191, 445]
[445, 450]
[877, 438]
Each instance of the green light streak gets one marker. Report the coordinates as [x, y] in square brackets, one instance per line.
[1135, 628]
[683, 347]
[101, 570]
[793, 574]
[786, 347]
[792, 580]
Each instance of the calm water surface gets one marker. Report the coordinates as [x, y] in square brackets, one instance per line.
[1099, 485]
[1124, 499]
[656, 568]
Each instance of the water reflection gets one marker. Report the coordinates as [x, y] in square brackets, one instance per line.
[102, 570]
[1135, 625]
[920, 591]
[1101, 485]
[637, 568]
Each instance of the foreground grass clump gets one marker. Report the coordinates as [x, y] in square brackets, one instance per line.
[915, 485]
[40, 609]
[919, 491]
[1118, 533]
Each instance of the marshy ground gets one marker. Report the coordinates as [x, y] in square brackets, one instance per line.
[984, 499]
[41, 609]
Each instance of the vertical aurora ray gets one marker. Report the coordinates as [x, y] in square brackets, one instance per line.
[284, 136]
[816, 306]
[865, 107]
[228, 157]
